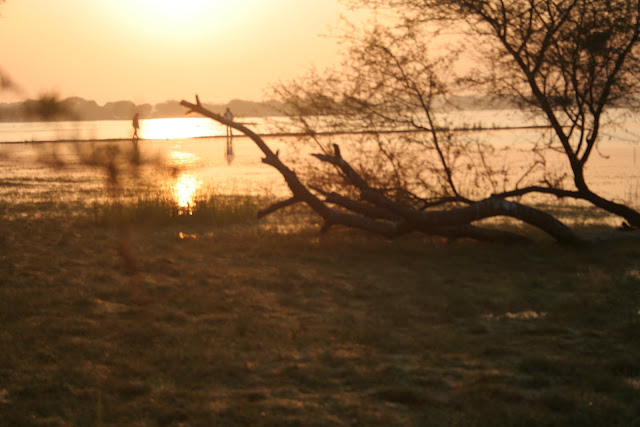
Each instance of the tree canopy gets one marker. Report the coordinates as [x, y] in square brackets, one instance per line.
[566, 61]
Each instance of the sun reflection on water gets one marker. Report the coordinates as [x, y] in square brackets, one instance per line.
[180, 158]
[185, 185]
[177, 128]
[184, 192]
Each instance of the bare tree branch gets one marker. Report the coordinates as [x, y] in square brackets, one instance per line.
[452, 223]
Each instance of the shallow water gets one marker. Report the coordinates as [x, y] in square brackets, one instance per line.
[31, 172]
[44, 172]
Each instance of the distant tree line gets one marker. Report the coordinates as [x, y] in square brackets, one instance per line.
[50, 107]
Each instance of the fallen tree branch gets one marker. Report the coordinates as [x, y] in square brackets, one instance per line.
[426, 220]
[455, 231]
[300, 192]
[388, 218]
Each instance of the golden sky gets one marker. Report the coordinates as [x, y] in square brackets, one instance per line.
[156, 50]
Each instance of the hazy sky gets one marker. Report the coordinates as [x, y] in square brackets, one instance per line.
[156, 50]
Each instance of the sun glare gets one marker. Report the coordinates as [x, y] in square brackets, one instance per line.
[178, 128]
[181, 159]
[184, 192]
[173, 9]
[181, 17]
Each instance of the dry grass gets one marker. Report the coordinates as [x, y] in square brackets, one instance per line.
[247, 325]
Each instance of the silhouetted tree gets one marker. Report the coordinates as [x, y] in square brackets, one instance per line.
[379, 214]
[569, 61]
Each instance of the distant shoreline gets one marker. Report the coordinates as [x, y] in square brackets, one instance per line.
[283, 135]
[80, 109]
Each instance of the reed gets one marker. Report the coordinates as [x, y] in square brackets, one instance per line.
[160, 209]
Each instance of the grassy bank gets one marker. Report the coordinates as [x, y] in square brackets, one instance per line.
[182, 321]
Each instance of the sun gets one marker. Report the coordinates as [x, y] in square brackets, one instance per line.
[175, 9]
[178, 21]
[178, 16]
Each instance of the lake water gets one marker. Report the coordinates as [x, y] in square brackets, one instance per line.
[189, 154]
[161, 129]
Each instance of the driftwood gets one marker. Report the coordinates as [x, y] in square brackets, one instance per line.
[378, 214]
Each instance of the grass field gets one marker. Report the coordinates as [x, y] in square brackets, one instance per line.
[130, 314]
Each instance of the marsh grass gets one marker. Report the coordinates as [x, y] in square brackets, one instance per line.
[230, 321]
[159, 208]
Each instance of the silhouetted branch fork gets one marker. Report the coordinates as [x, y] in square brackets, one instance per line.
[345, 167]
